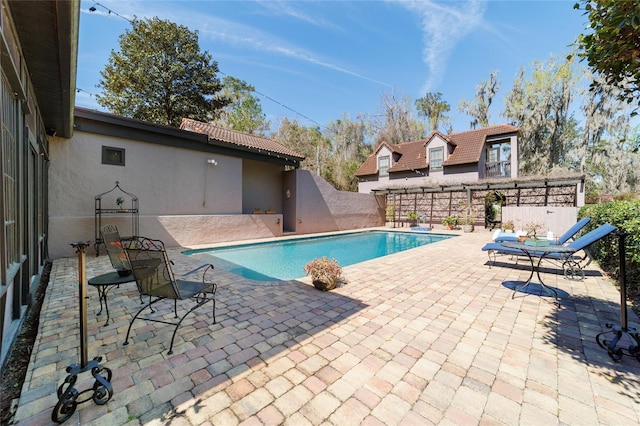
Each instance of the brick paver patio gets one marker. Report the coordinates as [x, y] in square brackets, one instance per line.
[427, 336]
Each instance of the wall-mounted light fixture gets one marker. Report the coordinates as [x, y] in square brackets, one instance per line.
[288, 194]
[212, 161]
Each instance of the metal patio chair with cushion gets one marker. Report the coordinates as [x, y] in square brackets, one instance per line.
[570, 260]
[155, 278]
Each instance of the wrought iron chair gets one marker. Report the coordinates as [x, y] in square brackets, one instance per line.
[155, 278]
[115, 249]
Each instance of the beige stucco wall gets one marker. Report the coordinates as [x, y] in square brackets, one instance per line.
[320, 207]
[261, 186]
[185, 201]
[166, 180]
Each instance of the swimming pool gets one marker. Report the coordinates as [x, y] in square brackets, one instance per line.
[285, 260]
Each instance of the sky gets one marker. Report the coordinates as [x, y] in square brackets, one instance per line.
[316, 61]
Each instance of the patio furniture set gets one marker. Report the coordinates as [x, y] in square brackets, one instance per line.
[618, 340]
[143, 261]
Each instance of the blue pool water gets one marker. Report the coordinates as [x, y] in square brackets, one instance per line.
[285, 260]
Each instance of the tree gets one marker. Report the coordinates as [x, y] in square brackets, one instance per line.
[348, 152]
[607, 151]
[396, 123]
[613, 47]
[308, 141]
[433, 108]
[540, 108]
[479, 110]
[160, 75]
[244, 113]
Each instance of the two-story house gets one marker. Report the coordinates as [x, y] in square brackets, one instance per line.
[490, 152]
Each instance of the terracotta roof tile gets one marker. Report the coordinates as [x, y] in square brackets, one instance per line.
[412, 157]
[369, 167]
[470, 143]
[238, 138]
[467, 145]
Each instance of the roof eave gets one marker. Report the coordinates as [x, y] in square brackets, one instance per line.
[50, 54]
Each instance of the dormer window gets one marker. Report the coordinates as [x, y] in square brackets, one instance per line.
[436, 157]
[383, 166]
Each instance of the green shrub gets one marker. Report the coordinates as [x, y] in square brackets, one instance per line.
[626, 216]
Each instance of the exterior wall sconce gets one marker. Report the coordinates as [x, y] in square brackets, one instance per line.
[212, 161]
[288, 194]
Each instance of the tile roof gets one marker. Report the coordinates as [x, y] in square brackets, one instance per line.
[470, 143]
[238, 138]
[412, 155]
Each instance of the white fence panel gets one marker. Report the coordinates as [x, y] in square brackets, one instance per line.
[554, 219]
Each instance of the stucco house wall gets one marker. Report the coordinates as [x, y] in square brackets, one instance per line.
[166, 180]
[187, 196]
[261, 187]
[322, 208]
[461, 173]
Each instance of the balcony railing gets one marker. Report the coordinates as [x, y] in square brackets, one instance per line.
[501, 169]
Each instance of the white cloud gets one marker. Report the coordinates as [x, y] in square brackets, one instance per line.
[230, 33]
[444, 24]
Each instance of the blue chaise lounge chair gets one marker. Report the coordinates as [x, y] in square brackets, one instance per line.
[570, 264]
[562, 239]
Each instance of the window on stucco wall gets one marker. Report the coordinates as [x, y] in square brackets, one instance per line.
[112, 156]
[436, 157]
[383, 166]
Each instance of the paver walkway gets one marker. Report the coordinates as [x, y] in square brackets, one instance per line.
[427, 336]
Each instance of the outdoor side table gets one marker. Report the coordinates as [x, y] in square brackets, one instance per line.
[103, 283]
[540, 252]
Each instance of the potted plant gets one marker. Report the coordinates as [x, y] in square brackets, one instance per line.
[508, 226]
[450, 221]
[390, 213]
[412, 217]
[532, 229]
[257, 211]
[324, 273]
[119, 203]
[270, 211]
[468, 216]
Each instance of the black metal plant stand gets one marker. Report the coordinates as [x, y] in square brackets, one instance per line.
[101, 392]
[621, 339]
[100, 210]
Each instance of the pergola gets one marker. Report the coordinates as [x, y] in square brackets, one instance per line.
[432, 202]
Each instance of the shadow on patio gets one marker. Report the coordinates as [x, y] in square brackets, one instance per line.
[426, 336]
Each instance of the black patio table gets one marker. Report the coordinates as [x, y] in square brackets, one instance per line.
[540, 252]
[103, 283]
